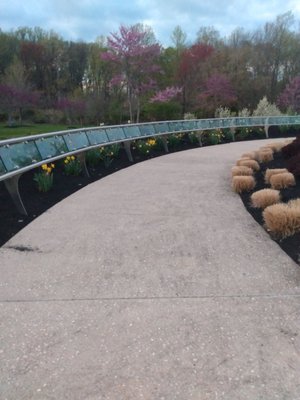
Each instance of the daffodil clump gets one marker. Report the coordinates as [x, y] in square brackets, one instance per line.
[145, 146]
[175, 140]
[108, 153]
[72, 166]
[44, 178]
[216, 136]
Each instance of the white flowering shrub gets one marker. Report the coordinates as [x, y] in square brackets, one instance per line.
[223, 112]
[264, 108]
[244, 113]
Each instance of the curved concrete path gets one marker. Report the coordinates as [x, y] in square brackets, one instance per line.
[153, 283]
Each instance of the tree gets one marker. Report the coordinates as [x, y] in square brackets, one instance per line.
[218, 92]
[137, 64]
[192, 72]
[290, 97]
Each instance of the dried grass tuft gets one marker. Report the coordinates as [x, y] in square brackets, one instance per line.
[250, 155]
[243, 183]
[282, 219]
[242, 170]
[276, 147]
[273, 171]
[264, 198]
[282, 181]
[265, 155]
[294, 203]
[248, 163]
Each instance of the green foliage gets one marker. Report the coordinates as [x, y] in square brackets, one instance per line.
[108, 154]
[193, 138]
[72, 166]
[44, 178]
[93, 157]
[162, 111]
[144, 147]
[175, 140]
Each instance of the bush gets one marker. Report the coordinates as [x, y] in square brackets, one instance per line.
[273, 171]
[248, 163]
[282, 181]
[240, 171]
[283, 219]
[243, 183]
[264, 198]
[265, 155]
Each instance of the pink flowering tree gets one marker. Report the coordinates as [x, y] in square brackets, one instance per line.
[217, 92]
[290, 97]
[163, 96]
[72, 108]
[15, 100]
[136, 60]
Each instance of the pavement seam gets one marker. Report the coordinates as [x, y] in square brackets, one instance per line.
[250, 296]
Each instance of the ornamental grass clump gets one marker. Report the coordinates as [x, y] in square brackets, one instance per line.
[241, 171]
[265, 155]
[282, 181]
[44, 178]
[264, 198]
[252, 155]
[72, 166]
[243, 183]
[283, 220]
[276, 147]
[273, 171]
[248, 163]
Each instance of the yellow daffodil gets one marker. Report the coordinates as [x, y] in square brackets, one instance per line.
[66, 161]
[72, 158]
[52, 166]
[49, 170]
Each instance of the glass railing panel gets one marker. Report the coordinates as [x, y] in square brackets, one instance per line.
[19, 155]
[97, 136]
[132, 131]
[115, 134]
[51, 146]
[147, 130]
[161, 128]
[76, 140]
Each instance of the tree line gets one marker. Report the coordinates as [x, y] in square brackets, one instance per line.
[130, 76]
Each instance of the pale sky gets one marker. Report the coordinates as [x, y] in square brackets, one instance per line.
[88, 19]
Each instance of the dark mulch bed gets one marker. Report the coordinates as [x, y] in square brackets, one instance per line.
[291, 245]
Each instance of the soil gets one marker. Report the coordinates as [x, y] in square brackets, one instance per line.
[36, 202]
[291, 244]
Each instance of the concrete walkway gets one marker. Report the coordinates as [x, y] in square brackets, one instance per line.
[153, 283]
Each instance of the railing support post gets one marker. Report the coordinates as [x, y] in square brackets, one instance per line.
[165, 143]
[81, 159]
[128, 150]
[12, 186]
[199, 137]
[232, 131]
[267, 131]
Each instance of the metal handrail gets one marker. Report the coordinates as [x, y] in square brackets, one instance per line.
[105, 135]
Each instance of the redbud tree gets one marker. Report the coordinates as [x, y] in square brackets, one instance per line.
[134, 54]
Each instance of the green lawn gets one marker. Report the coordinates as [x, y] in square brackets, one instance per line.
[26, 130]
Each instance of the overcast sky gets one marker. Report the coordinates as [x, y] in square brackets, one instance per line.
[87, 19]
